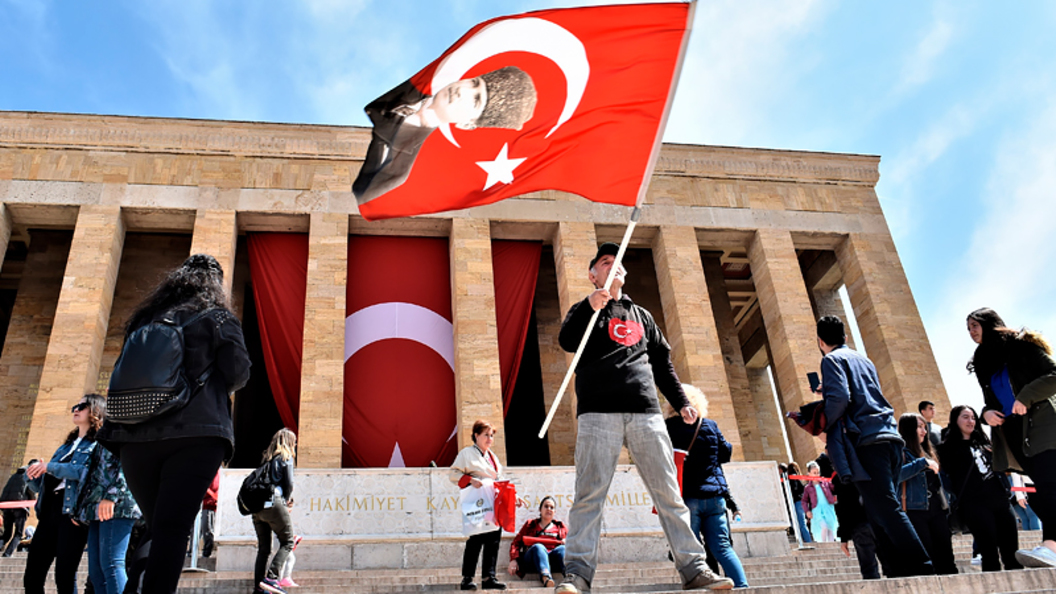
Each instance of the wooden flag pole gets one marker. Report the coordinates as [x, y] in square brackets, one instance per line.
[635, 214]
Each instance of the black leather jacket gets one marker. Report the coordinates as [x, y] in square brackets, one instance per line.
[215, 339]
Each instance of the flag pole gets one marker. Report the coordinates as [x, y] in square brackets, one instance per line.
[635, 215]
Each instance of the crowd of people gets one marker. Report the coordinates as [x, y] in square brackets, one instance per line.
[895, 488]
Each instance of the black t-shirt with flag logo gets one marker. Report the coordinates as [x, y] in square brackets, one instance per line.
[624, 361]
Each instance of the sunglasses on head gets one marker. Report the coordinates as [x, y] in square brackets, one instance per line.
[79, 407]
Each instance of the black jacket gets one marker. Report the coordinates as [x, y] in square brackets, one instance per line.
[702, 475]
[280, 473]
[215, 339]
[964, 481]
[18, 488]
[625, 360]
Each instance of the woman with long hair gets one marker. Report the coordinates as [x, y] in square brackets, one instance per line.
[1017, 373]
[920, 490]
[704, 486]
[58, 538]
[170, 459]
[795, 486]
[107, 508]
[275, 517]
[472, 465]
[539, 546]
[979, 495]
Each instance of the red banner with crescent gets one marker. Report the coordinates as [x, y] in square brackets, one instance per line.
[399, 390]
[569, 99]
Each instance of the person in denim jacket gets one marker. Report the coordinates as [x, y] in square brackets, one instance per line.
[920, 492]
[59, 484]
[108, 509]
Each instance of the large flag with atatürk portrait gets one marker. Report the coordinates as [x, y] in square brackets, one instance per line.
[568, 99]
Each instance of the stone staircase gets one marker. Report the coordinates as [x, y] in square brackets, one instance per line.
[821, 570]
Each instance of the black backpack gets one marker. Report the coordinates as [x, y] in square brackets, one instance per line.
[149, 379]
[257, 489]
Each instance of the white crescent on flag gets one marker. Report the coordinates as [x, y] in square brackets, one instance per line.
[530, 35]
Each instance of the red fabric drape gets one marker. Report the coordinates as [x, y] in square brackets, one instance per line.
[516, 269]
[399, 387]
[278, 264]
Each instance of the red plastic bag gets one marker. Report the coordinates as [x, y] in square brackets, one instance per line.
[506, 505]
[680, 459]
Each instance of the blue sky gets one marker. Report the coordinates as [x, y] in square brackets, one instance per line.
[958, 98]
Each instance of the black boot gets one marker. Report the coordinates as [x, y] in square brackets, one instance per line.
[467, 584]
[490, 583]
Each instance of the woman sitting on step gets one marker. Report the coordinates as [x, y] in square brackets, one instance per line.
[539, 547]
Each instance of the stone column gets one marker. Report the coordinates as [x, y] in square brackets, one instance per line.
[771, 441]
[695, 348]
[827, 303]
[26, 344]
[790, 325]
[890, 324]
[5, 232]
[740, 391]
[71, 365]
[322, 398]
[216, 234]
[575, 243]
[478, 381]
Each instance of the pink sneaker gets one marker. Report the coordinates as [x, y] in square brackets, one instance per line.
[296, 541]
[288, 583]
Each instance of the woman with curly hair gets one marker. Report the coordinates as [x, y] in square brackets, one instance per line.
[1017, 373]
[58, 537]
[170, 459]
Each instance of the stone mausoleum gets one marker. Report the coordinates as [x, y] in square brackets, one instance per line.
[737, 253]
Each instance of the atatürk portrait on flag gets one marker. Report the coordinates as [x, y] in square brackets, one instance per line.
[404, 117]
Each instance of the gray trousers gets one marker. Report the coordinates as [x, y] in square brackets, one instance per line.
[598, 443]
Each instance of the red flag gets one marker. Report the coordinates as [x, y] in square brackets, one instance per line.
[570, 99]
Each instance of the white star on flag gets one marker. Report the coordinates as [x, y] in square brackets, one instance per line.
[501, 169]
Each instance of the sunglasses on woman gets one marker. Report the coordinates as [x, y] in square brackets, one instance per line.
[79, 407]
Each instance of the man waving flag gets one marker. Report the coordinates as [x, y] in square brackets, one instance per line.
[569, 99]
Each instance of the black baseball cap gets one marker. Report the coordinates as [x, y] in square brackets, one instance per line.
[606, 249]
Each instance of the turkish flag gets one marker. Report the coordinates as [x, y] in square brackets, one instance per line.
[399, 407]
[569, 99]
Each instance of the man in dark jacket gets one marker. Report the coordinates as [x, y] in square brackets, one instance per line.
[857, 413]
[17, 489]
[625, 360]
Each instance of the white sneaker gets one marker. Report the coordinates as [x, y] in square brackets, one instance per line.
[978, 560]
[572, 584]
[1037, 557]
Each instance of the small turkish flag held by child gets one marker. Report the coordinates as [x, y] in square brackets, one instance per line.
[569, 99]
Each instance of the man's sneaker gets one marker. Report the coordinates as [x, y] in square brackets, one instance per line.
[1037, 557]
[706, 580]
[467, 584]
[490, 583]
[572, 584]
[270, 585]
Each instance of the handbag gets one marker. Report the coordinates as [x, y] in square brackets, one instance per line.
[478, 508]
[680, 458]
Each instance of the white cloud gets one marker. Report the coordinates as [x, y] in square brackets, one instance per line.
[738, 66]
[1009, 263]
[921, 63]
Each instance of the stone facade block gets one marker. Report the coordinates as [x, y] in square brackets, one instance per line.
[478, 382]
[890, 324]
[687, 306]
[790, 326]
[575, 244]
[75, 347]
[769, 421]
[322, 396]
[216, 234]
[26, 344]
[736, 374]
